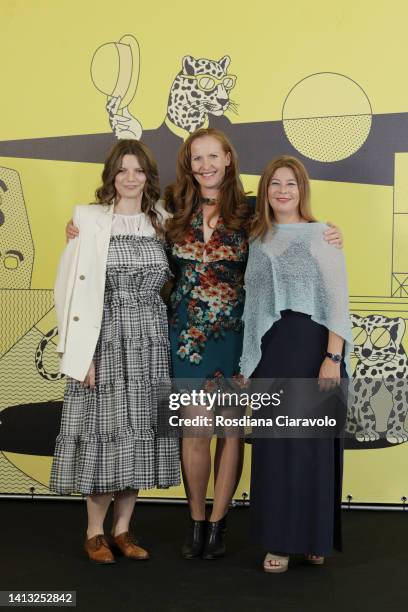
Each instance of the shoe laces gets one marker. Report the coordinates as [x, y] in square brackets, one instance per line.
[130, 539]
[100, 541]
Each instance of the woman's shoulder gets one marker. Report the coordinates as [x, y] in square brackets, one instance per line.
[318, 225]
[302, 228]
[259, 244]
[317, 230]
[92, 209]
[88, 212]
[160, 208]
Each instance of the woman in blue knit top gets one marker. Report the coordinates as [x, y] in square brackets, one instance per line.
[296, 327]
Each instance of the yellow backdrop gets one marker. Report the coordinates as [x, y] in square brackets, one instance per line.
[327, 78]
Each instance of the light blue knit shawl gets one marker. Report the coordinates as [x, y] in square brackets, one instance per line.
[293, 268]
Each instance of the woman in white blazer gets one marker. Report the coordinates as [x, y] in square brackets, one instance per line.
[114, 348]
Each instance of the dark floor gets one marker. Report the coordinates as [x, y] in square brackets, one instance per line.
[41, 549]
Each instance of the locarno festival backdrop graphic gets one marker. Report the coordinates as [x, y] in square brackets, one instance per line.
[326, 93]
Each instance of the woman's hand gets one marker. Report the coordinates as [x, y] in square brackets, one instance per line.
[90, 377]
[71, 231]
[333, 236]
[329, 375]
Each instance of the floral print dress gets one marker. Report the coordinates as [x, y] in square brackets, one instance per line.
[207, 302]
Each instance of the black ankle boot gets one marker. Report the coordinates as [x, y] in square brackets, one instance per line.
[193, 546]
[214, 546]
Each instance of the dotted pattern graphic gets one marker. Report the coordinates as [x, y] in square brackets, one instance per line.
[17, 248]
[328, 139]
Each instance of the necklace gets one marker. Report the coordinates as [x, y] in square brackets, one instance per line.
[209, 201]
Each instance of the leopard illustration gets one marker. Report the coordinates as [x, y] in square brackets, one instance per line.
[199, 97]
[381, 361]
[201, 87]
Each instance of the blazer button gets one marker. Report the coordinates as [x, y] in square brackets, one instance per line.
[82, 277]
[76, 318]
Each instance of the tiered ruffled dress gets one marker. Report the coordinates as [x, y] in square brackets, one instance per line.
[112, 437]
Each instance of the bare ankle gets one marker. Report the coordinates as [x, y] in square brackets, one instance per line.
[118, 529]
[197, 517]
[91, 533]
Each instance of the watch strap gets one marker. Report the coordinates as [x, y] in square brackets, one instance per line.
[334, 357]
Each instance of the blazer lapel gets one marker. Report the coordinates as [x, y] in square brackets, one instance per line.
[104, 223]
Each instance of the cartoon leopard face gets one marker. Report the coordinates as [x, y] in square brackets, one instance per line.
[377, 343]
[382, 362]
[202, 87]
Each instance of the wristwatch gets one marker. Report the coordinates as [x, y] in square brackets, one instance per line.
[334, 357]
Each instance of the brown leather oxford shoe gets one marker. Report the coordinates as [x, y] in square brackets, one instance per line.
[129, 548]
[98, 551]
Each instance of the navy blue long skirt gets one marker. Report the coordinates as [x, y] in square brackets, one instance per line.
[296, 483]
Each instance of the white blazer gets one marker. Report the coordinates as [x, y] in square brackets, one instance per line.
[80, 286]
[79, 289]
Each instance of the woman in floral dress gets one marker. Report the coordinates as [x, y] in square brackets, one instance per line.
[208, 238]
[207, 301]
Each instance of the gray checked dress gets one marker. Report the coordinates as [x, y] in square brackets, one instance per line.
[114, 437]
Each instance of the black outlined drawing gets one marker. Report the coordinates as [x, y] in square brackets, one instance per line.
[16, 244]
[353, 145]
[115, 70]
[31, 388]
[381, 363]
[327, 116]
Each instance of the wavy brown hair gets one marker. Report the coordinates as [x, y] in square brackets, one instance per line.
[182, 196]
[106, 193]
[264, 218]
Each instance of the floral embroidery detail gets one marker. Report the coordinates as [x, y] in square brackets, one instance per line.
[211, 290]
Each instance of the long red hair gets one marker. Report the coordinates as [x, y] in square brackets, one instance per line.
[182, 196]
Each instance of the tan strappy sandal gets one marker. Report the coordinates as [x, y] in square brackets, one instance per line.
[314, 559]
[275, 564]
